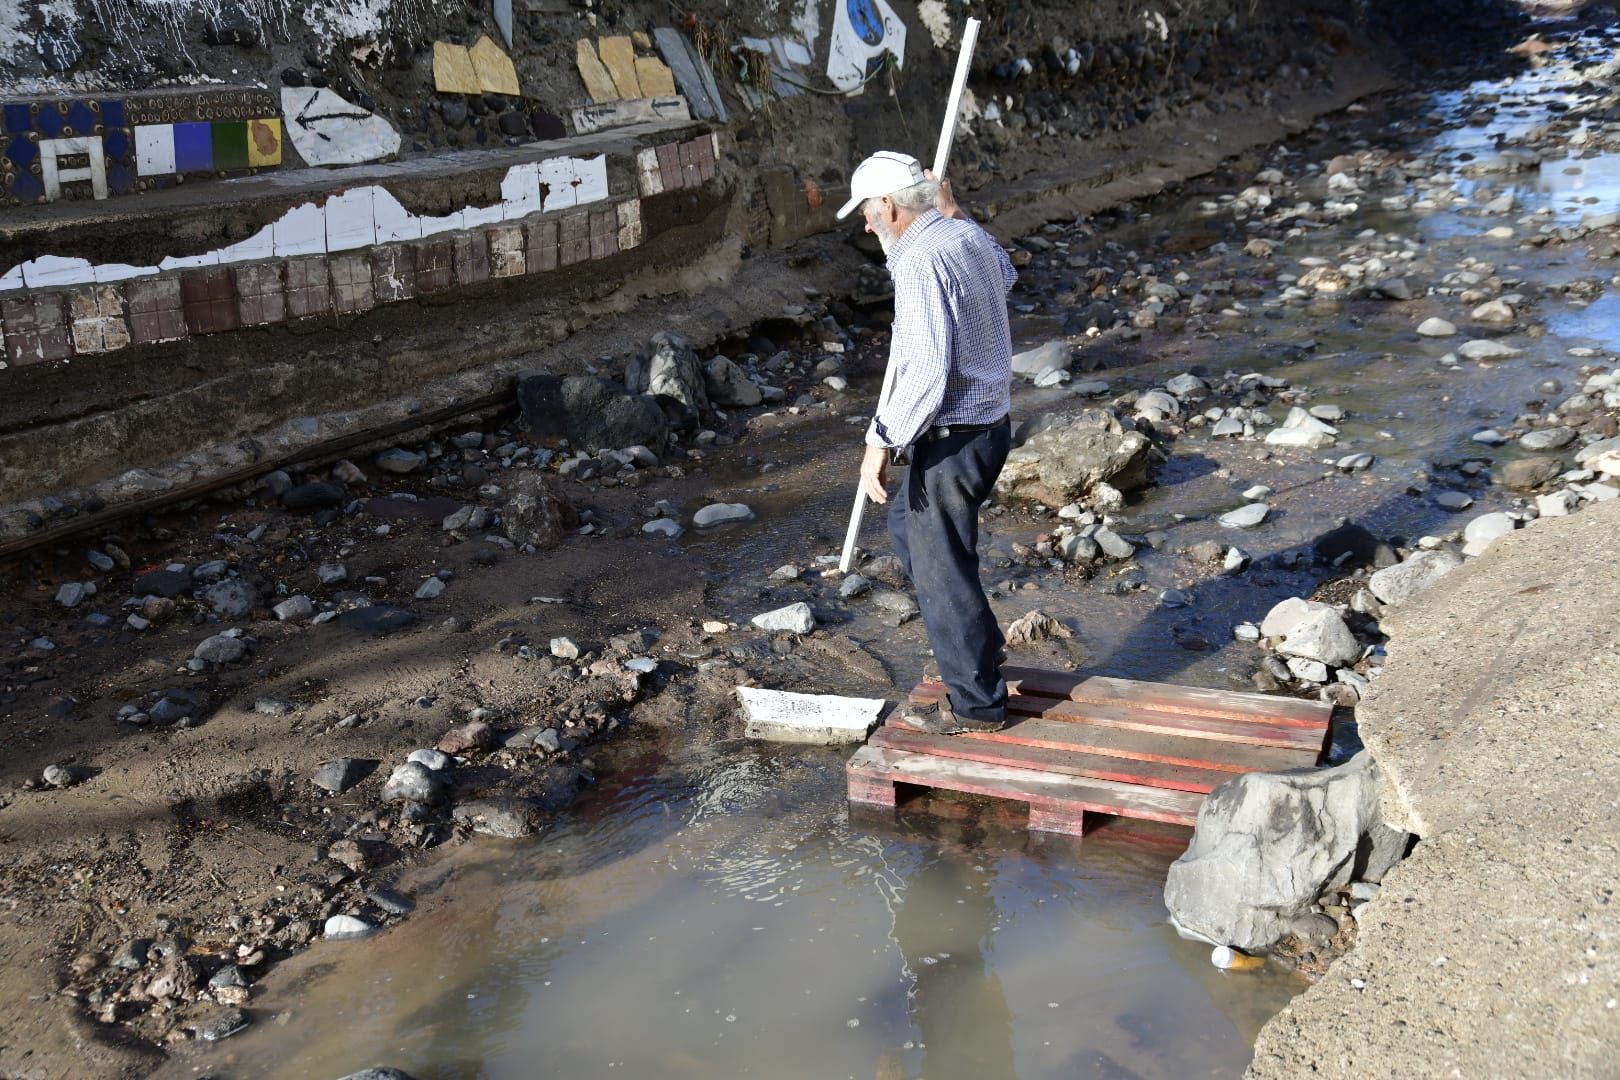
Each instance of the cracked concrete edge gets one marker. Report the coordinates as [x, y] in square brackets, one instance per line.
[1495, 948]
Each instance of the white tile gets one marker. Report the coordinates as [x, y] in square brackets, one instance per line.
[12, 279]
[432, 226]
[593, 181]
[154, 149]
[557, 174]
[189, 262]
[474, 216]
[261, 245]
[520, 191]
[50, 270]
[301, 231]
[393, 221]
[351, 219]
[122, 272]
[652, 181]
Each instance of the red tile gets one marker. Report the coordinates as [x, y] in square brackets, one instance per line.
[604, 233]
[703, 151]
[690, 177]
[669, 166]
[393, 273]
[309, 287]
[471, 257]
[574, 238]
[260, 295]
[209, 301]
[351, 284]
[155, 312]
[37, 328]
[433, 266]
[541, 245]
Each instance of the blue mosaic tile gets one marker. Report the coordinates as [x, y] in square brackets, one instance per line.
[112, 114]
[115, 144]
[194, 147]
[82, 118]
[17, 119]
[27, 187]
[22, 152]
[119, 180]
[50, 122]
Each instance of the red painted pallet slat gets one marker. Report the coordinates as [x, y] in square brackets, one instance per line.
[1091, 744]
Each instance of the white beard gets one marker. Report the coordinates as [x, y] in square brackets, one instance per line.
[886, 238]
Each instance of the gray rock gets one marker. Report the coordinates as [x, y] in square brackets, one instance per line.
[590, 412]
[342, 927]
[1353, 462]
[896, 603]
[1227, 427]
[131, 955]
[1489, 526]
[332, 573]
[437, 760]
[413, 782]
[71, 594]
[1484, 349]
[431, 589]
[63, 776]
[1436, 328]
[793, 619]
[668, 527]
[1307, 670]
[1453, 500]
[341, 774]
[1288, 614]
[565, 648]
[1081, 549]
[376, 620]
[852, 586]
[379, 1072]
[548, 741]
[500, 815]
[229, 975]
[220, 649]
[1493, 311]
[1399, 583]
[1246, 517]
[1302, 429]
[729, 385]
[668, 368]
[535, 512]
[275, 706]
[1268, 846]
[1490, 437]
[1156, 404]
[232, 598]
[219, 1026]
[1550, 438]
[721, 514]
[101, 561]
[1068, 456]
[1187, 386]
[1322, 637]
[400, 461]
[294, 609]
[1033, 363]
[390, 901]
[1112, 544]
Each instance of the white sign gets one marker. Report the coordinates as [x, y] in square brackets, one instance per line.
[812, 718]
[327, 130]
[862, 31]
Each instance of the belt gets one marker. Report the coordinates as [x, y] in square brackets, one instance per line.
[945, 431]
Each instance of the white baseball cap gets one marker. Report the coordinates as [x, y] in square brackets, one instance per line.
[884, 173]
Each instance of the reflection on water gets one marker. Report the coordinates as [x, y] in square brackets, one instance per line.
[720, 916]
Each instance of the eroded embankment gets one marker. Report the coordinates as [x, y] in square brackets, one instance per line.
[1491, 950]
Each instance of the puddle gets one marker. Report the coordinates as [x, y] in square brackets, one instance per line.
[716, 914]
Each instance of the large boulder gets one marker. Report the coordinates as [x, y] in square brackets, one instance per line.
[669, 368]
[1267, 846]
[1398, 584]
[535, 513]
[590, 412]
[729, 384]
[1068, 456]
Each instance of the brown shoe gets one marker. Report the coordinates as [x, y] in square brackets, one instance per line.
[937, 718]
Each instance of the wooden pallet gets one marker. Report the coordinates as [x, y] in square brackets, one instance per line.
[1100, 745]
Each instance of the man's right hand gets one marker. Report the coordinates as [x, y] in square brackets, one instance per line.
[946, 202]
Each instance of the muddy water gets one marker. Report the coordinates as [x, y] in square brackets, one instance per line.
[710, 910]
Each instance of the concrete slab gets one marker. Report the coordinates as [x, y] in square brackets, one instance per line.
[823, 719]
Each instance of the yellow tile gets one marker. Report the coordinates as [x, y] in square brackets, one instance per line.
[620, 57]
[496, 72]
[264, 142]
[655, 77]
[453, 70]
[598, 83]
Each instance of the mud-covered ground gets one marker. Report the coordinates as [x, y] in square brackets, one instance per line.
[188, 846]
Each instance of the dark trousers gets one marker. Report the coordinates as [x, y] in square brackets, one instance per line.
[934, 522]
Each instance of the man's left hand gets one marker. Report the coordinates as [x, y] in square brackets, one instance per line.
[874, 473]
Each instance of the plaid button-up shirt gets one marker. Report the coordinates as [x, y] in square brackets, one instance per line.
[952, 346]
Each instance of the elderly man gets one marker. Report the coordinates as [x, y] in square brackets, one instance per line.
[952, 357]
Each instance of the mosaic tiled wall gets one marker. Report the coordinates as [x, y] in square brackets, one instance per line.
[96, 147]
[44, 324]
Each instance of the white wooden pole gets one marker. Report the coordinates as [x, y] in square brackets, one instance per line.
[942, 153]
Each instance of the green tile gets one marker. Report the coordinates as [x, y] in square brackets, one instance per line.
[230, 144]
